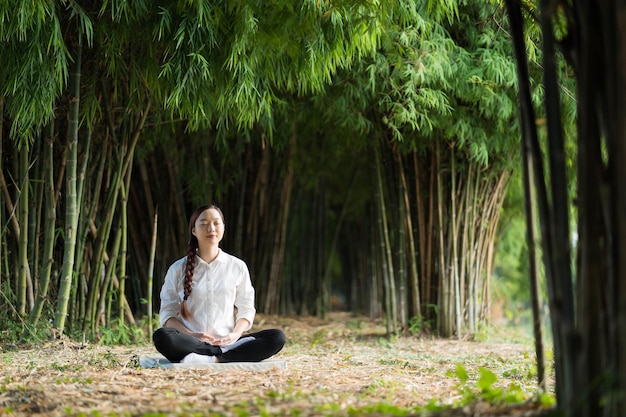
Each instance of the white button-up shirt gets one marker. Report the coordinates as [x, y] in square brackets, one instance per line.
[218, 288]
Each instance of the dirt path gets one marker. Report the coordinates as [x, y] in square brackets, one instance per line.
[334, 367]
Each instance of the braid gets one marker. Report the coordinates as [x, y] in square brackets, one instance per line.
[187, 284]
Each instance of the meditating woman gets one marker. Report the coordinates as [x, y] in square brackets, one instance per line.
[198, 300]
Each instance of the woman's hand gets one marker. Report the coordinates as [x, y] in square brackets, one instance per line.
[206, 337]
[218, 341]
[227, 340]
[240, 327]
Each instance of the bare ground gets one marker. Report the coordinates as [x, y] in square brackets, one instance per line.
[341, 366]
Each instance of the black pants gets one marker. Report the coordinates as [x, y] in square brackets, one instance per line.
[175, 345]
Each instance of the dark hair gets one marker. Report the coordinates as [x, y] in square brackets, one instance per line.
[192, 249]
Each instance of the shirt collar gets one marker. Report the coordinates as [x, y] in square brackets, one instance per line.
[221, 258]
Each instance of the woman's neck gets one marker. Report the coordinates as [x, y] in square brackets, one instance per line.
[209, 254]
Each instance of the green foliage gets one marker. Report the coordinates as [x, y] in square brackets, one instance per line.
[417, 325]
[229, 63]
[121, 333]
[485, 388]
[107, 360]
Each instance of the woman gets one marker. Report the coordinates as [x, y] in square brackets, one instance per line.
[199, 323]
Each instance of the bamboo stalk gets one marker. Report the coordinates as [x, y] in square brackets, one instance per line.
[470, 230]
[374, 267]
[34, 215]
[338, 225]
[71, 213]
[272, 297]
[420, 250]
[531, 151]
[22, 280]
[2, 229]
[9, 206]
[151, 269]
[124, 169]
[401, 239]
[432, 218]
[444, 290]
[123, 253]
[414, 303]
[102, 318]
[387, 263]
[49, 232]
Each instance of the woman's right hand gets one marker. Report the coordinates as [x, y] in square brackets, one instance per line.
[205, 337]
[178, 325]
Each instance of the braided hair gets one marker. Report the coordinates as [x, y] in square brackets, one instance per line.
[192, 249]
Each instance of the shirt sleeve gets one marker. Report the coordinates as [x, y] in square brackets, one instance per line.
[244, 298]
[170, 300]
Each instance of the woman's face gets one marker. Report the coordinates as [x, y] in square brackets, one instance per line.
[209, 227]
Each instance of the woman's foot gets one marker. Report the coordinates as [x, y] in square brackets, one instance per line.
[197, 358]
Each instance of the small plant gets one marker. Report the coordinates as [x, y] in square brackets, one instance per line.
[106, 361]
[319, 337]
[120, 333]
[486, 389]
[418, 325]
[355, 324]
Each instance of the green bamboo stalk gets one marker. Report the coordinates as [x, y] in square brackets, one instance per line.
[83, 226]
[122, 280]
[34, 214]
[445, 292]
[100, 255]
[401, 256]
[468, 245]
[374, 267]
[49, 230]
[80, 192]
[23, 238]
[106, 288]
[151, 269]
[414, 294]
[474, 214]
[455, 256]
[388, 271]
[71, 209]
[420, 250]
[3, 255]
[102, 317]
[124, 169]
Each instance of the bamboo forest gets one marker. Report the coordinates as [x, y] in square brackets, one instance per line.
[361, 154]
[368, 157]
